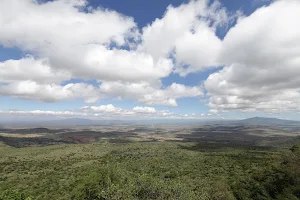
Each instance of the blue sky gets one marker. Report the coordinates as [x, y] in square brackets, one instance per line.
[144, 59]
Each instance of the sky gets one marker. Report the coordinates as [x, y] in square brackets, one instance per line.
[136, 59]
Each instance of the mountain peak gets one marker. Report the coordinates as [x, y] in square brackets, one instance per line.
[267, 121]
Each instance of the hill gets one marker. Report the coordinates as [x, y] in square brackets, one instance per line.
[267, 121]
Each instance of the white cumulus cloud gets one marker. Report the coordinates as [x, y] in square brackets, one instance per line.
[145, 109]
[261, 54]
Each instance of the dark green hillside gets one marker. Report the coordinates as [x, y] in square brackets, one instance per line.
[152, 170]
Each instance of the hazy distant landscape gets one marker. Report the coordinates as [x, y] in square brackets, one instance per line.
[80, 131]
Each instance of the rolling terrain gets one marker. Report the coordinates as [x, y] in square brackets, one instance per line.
[151, 161]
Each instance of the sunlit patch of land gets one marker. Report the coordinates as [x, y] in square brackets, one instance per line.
[18, 135]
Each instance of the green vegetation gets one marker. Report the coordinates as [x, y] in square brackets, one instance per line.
[149, 170]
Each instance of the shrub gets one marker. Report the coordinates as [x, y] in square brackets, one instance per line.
[14, 195]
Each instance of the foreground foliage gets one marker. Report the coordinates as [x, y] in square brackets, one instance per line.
[151, 170]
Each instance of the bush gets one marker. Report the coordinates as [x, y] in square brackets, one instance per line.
[113, 182]
[281, 181]
[14, 195]
[106, 183]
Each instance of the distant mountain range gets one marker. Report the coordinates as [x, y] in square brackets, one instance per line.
[87, 122]
[267, 121]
